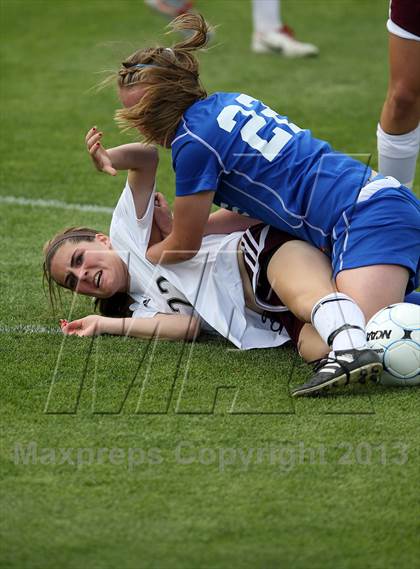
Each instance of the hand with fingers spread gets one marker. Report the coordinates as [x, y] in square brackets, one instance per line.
[87, 326]
[100, 157]
[162, 214]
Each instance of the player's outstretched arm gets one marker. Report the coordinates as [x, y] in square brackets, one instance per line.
[132, 156]
[140, 160]
[163, 326]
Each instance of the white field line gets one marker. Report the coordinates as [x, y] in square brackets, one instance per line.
[29, 329]
[13, 200]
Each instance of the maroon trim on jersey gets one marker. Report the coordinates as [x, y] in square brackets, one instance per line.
[406, 14]
[274, 239]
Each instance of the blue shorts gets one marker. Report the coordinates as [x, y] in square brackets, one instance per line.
[381, 229]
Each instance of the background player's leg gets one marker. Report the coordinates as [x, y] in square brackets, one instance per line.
[401, 111]
[266, 16]
[398, 131]
[170, 8]
[269, 33]
[374, 287]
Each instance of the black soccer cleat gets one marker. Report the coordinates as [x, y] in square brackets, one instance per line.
[348, 366]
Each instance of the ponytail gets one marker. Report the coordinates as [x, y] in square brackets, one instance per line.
[171, 76]
[191, 23]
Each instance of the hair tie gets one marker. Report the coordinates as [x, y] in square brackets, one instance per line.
[139, 65]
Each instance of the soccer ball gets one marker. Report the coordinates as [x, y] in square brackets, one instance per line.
[394, 332]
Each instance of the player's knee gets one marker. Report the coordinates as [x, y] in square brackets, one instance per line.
[301, 304]
[403, 101]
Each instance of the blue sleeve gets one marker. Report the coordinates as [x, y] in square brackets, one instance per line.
[197, 169]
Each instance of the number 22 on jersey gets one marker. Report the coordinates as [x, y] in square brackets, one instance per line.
[249, 132]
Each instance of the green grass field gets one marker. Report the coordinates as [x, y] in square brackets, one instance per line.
[109, 460]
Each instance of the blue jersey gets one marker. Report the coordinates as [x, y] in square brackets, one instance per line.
[260, 164]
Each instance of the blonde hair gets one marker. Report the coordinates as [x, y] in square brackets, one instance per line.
[172, 79]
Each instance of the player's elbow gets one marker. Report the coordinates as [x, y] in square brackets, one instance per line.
[187, 255]
[186, 249]
[151, 153]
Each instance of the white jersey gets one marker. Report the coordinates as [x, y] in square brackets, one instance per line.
[210, 282]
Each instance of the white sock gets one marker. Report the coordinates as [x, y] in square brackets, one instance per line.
[266, 16]
[334, 311]
[397, 154]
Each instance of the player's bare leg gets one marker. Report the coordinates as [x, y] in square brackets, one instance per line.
[301, 276]
[401, 110]
[310, 344]
[374, 287]
[398, 131]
